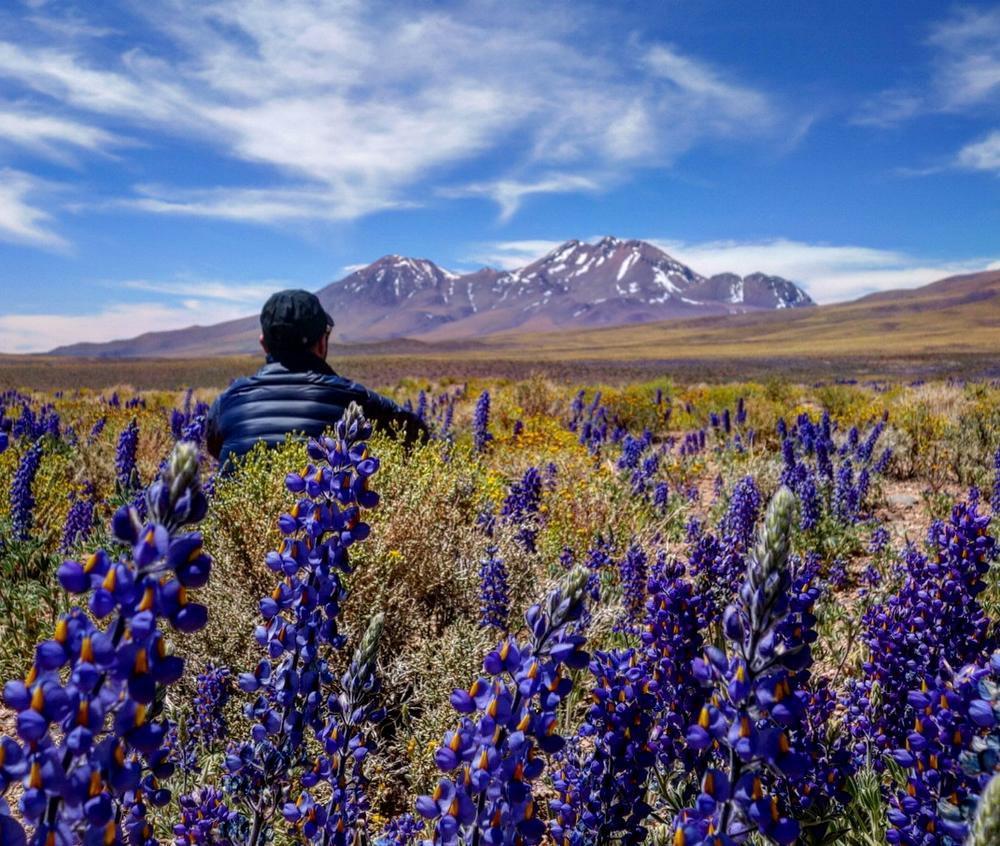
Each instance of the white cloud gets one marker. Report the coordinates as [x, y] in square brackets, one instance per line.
[726, 101]
[968, 72]
[21, 221]
[981, 155]
[184, 302]
[246, 293]
[46, 135]
[356, 106]
[258, 205]
[829, 273]
[508, 193]
[24, 333]
[510, 255]
[963, 72]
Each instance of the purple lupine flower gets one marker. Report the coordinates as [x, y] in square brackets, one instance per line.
[661, 496]
[838, 577]
[718, 563]
[756, 715]
[341, 819]
[934, 617]
[126, 472]
[882, 464]
[33, 426]
[949, 756]
[489, 761]
[590, 422]
[481, 423]
[633, 449]
[741, 516]
[5, 427]
[672, 639]
[403, 830]
[181, 748]
[866, 449]
[449, 416]
[879, 540]
[213, 688]
[995, 498]
[297, 633]
[810, 506]
[521, 507]
[604, 797]
[90, 743]
[576, 410]
[206, 820]
[22, 500]
[80, 520]
[633, 572]
[741, 412]
[845, 499]
[177, 421]
[96, 429]
[494, 594]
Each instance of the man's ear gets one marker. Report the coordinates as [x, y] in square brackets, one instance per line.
[263, 346]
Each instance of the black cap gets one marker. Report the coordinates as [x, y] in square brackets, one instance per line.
[293, 320]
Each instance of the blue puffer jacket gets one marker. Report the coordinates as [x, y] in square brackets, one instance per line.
[301, 395]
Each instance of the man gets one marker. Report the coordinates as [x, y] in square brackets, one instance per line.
[296, 390]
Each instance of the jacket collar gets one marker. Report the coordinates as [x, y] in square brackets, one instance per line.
[300, 363]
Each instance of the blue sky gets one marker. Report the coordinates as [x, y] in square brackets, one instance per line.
[168, 162]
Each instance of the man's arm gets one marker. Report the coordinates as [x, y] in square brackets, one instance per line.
[384, 412]
[213, 437]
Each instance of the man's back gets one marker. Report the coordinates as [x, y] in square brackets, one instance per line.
[300, 394]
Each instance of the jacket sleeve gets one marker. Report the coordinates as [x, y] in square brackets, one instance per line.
[383, 412]
[213, 436]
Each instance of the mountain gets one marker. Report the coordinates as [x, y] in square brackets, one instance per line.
[952, 318]
[576, 285]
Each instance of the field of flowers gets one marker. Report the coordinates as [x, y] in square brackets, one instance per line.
[642, 613]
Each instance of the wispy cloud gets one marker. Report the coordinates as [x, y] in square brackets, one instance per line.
[24, 333]
[257, 205]
[21, 219]
[173, 304]
[981, 155]
[356, 107]
[962, 76]
[49, 136]
[509, 193]
[246, 293]
[829, 273]
[509, 255]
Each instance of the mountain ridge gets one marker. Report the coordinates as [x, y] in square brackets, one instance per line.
[612, 282]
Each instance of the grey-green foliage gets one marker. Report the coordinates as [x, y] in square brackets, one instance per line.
[769, 557]
[986, 830]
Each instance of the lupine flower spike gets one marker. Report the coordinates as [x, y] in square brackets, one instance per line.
[489, 761]
[91, 748]
[754, 711]
[481, 423]
[299, 629]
